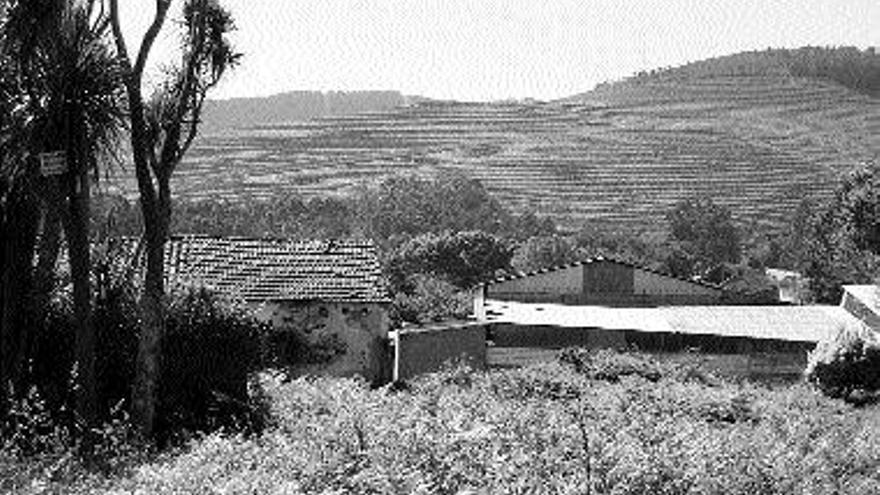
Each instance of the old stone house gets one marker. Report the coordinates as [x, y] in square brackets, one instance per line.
[332, 292]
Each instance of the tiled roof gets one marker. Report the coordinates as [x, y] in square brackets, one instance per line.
[597, 259]
[275, 269]
[788, 323]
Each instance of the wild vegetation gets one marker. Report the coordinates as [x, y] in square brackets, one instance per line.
[589, 423]
[847, 366]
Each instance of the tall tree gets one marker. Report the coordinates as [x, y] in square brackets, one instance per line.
[162, 130]
[842, 244]
[71, 92]
[704, 232]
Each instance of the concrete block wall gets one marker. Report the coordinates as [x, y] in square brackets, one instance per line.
[424, 350]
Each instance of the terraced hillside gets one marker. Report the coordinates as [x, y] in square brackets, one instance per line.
[756, 138]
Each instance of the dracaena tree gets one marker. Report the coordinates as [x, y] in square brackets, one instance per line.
[163, 128]
[66, 84]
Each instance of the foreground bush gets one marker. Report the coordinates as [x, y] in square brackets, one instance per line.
[543, 429]
[847, 366]
[210, 349]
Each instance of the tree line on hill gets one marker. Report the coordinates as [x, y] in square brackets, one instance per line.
[295, 106]
[849, 66]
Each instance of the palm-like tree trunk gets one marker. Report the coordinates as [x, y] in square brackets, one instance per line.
[145, 390]
[80, 271]
[158, 141]
[71, 84]
[16, 278]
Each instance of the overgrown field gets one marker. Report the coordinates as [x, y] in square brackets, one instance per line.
[600, 424]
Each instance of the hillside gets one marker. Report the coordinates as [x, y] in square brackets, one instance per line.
[745, 129]
[294, 106]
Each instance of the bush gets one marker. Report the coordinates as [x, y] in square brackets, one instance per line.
[210, 349]
[431, 300]
[540, 429]
[611, 366]
[847, 366]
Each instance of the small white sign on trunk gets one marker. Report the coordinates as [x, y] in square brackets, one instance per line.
[54, 163]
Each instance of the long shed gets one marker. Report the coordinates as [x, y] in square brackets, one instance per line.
[600, 281]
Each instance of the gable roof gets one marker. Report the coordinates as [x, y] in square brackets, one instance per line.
[259, 269]
[597, 259]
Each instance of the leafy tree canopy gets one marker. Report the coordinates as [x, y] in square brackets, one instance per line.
[461, 258]
[546, 251]
[705, 232]
[409, 205]
[842, 242]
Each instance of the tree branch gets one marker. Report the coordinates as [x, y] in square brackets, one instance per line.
[117, 33]
[194, 121]
[102, 19]
[150, 37]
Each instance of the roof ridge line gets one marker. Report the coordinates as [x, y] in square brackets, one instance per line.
[593, 259]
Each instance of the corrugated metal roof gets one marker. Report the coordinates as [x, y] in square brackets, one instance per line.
[790, 323]
[787, 323]
[275, 269]
[646, 319]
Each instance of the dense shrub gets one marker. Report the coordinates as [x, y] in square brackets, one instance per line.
[840, 240]
[208, 352]
[430, 299]
[612, 366]
[541, 429]
[544, 252]
[461, 258]
[847, 366]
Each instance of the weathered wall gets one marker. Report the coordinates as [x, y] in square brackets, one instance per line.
[351, 337]
[603, 277]
[425, 350]
[547, 336]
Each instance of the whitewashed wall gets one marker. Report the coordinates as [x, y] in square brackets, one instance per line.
[353, 335]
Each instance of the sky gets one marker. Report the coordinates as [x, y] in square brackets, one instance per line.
[493, 50]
